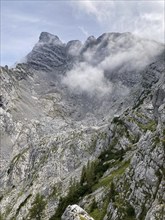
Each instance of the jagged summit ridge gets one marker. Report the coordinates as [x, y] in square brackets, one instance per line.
[46, 37]
[50, 52]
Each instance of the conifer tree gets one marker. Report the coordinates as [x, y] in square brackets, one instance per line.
[83, 175]
[38, 206]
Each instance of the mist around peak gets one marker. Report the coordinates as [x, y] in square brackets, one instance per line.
[112, 57]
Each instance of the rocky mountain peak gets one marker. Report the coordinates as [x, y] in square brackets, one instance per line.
[90, 39]
[46, 37]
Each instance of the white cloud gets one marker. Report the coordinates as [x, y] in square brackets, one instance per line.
[86, 78]
[130, 53]
[144, 18]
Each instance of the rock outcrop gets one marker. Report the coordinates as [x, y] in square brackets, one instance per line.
[74, 212]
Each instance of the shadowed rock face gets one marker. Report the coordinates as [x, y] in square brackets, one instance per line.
[50, 52]
[102, 101]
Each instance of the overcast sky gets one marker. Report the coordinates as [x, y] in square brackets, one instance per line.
[22, 21]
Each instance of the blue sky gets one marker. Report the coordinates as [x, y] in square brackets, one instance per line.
[22, 21]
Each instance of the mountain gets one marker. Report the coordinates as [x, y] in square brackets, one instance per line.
[83, 125]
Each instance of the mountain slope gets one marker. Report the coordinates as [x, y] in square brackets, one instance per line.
[101, 101]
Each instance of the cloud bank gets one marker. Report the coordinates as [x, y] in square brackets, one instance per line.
[111, 62]
[144, 18]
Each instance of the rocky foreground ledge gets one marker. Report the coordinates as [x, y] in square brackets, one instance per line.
[75, 212]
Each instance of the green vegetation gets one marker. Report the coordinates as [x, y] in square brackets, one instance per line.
[54, 192]
[92, 176]
[76, 191]
[121, 167]
[164, 132]
[98, 214]
[93, 206]
[156, 140]
[1, 216]
[125, 209]
[91, 179]
[82, 218]
[140, 115]
[38, 207]
[163, 142]
[151, 125]
[1, 197]
[91, 173]
[118, 121]
[130, 211]
[110, 155]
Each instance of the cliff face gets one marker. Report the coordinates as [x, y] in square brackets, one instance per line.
[102, 101]
[139, 192]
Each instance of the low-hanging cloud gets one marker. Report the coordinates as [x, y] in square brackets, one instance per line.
[130, 53]
[86, 78]
[121, 56]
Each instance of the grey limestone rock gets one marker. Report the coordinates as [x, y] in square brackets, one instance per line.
[74, 212]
